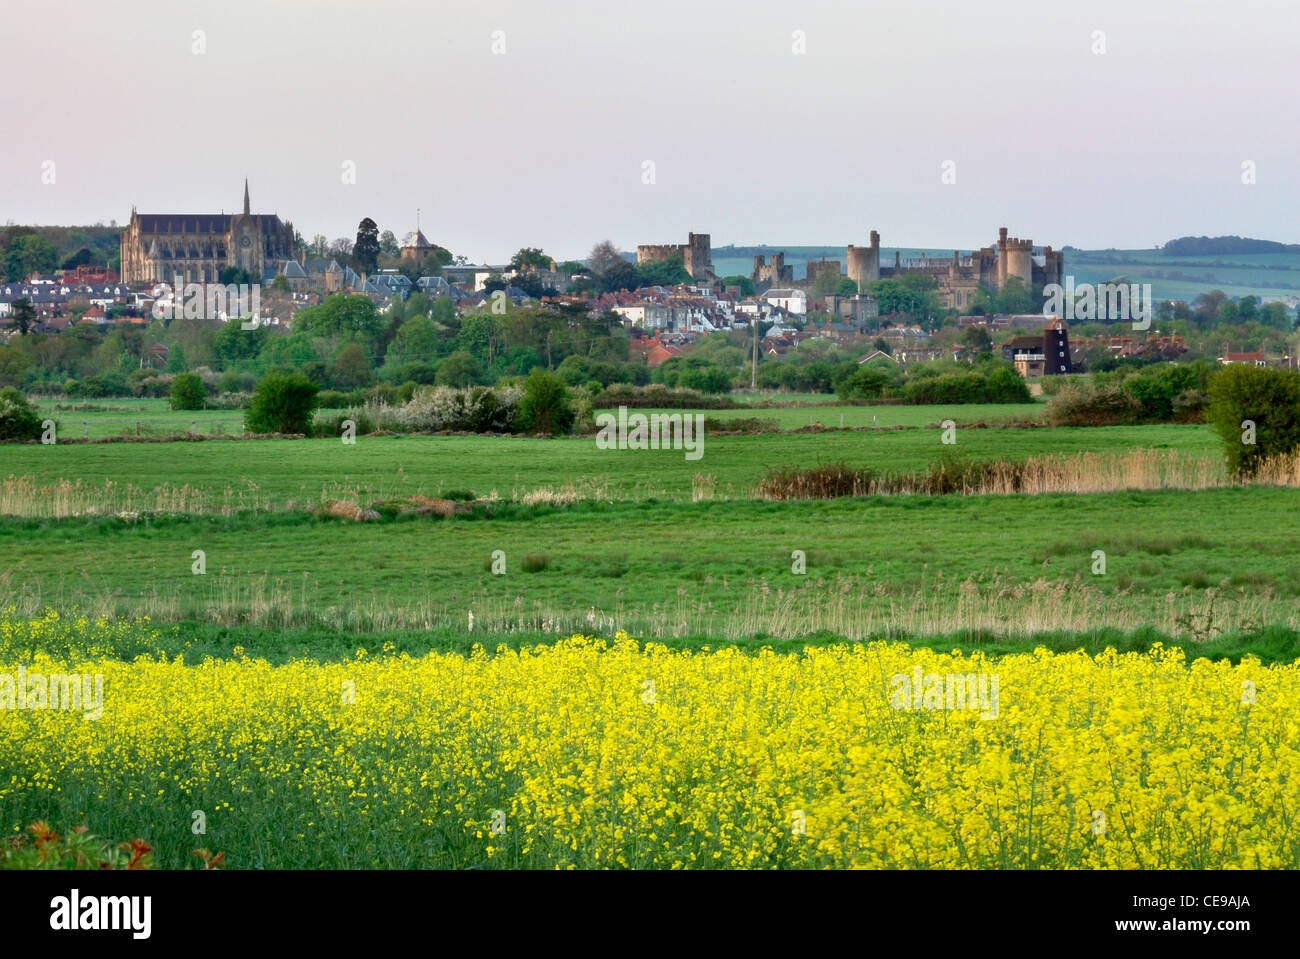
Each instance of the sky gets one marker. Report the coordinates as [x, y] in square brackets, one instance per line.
[560, 124]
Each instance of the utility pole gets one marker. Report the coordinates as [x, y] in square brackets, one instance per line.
[753, 367]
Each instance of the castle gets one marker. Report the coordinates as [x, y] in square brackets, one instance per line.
[959, 277]
[696, 255]
[158, 247]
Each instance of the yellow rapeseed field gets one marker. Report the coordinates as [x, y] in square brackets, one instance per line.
[594, 753]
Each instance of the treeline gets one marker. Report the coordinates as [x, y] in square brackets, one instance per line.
[1194, 245]
[44, 249]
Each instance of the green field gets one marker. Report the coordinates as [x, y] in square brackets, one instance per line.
[391, 466]
[648, 541]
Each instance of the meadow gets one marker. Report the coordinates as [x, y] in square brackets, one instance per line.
[462, 691]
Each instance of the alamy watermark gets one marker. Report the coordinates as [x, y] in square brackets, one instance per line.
[658, 431]
[1102, 301]
[53, 691]
[208, 301]
[923, 690]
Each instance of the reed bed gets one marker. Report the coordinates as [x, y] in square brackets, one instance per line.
[846, 606]
[28, 497]
[1143, 469]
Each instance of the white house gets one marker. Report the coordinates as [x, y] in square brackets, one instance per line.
[793, 301]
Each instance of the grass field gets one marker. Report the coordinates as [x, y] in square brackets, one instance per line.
[331, 693]
[301, 470]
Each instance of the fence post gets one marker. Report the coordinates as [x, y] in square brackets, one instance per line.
[137, 429]
[85, 430]
[193, 426]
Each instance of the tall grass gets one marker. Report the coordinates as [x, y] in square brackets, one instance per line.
[848, 606]
[1143, 469]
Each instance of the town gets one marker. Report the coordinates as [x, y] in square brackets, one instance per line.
[436, 312]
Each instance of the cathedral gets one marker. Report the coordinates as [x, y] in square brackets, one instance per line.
[158, 247]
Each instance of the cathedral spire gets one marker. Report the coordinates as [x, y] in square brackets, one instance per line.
[245, 196]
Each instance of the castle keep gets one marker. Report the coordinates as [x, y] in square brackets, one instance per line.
[158, 247]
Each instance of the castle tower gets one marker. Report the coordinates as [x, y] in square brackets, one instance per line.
[698, 256]
[1015, 258]
[863, 263]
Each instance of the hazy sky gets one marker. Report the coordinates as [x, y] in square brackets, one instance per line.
[753, 142]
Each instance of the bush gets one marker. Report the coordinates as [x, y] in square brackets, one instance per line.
[1268, 398]
[282, 403]
[329, 423]
[187, 392]
[1081, 404]
[545, 406]
[999, 386]
[474, 410]
[335, 400]
[18, 421]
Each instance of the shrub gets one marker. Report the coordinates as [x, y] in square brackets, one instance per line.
[1080, 404]
[1270, 399]
[536, 562]
[282, 403]
[187, 392]
[329, 424]
[336, 400]
[47, 849]
[545, 406]
[18, 421]
[474, 410]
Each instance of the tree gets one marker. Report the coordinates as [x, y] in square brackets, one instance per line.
[667, 272]
[545, 408]
[460, 370]
[846, 287]
[342, 314]
[1205, 308]
[82, 257]
[18, 421]
[341, 249]
[530, 256]
[744, 283]
[24, 315]
[188, 392]
[618, 276]
[1256, 412]
[603, 256]
[319, 248]
[176, 359]
[977, 338]
[388, 244]
[1015, 297]
[1275, 316]
[366, 249]
[280, 283]
[233, 276]
[827, 280]
[282, 403]
[29, 254]
[351, 369]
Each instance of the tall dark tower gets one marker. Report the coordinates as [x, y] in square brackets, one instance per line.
[1056, 349]
[246, 209]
